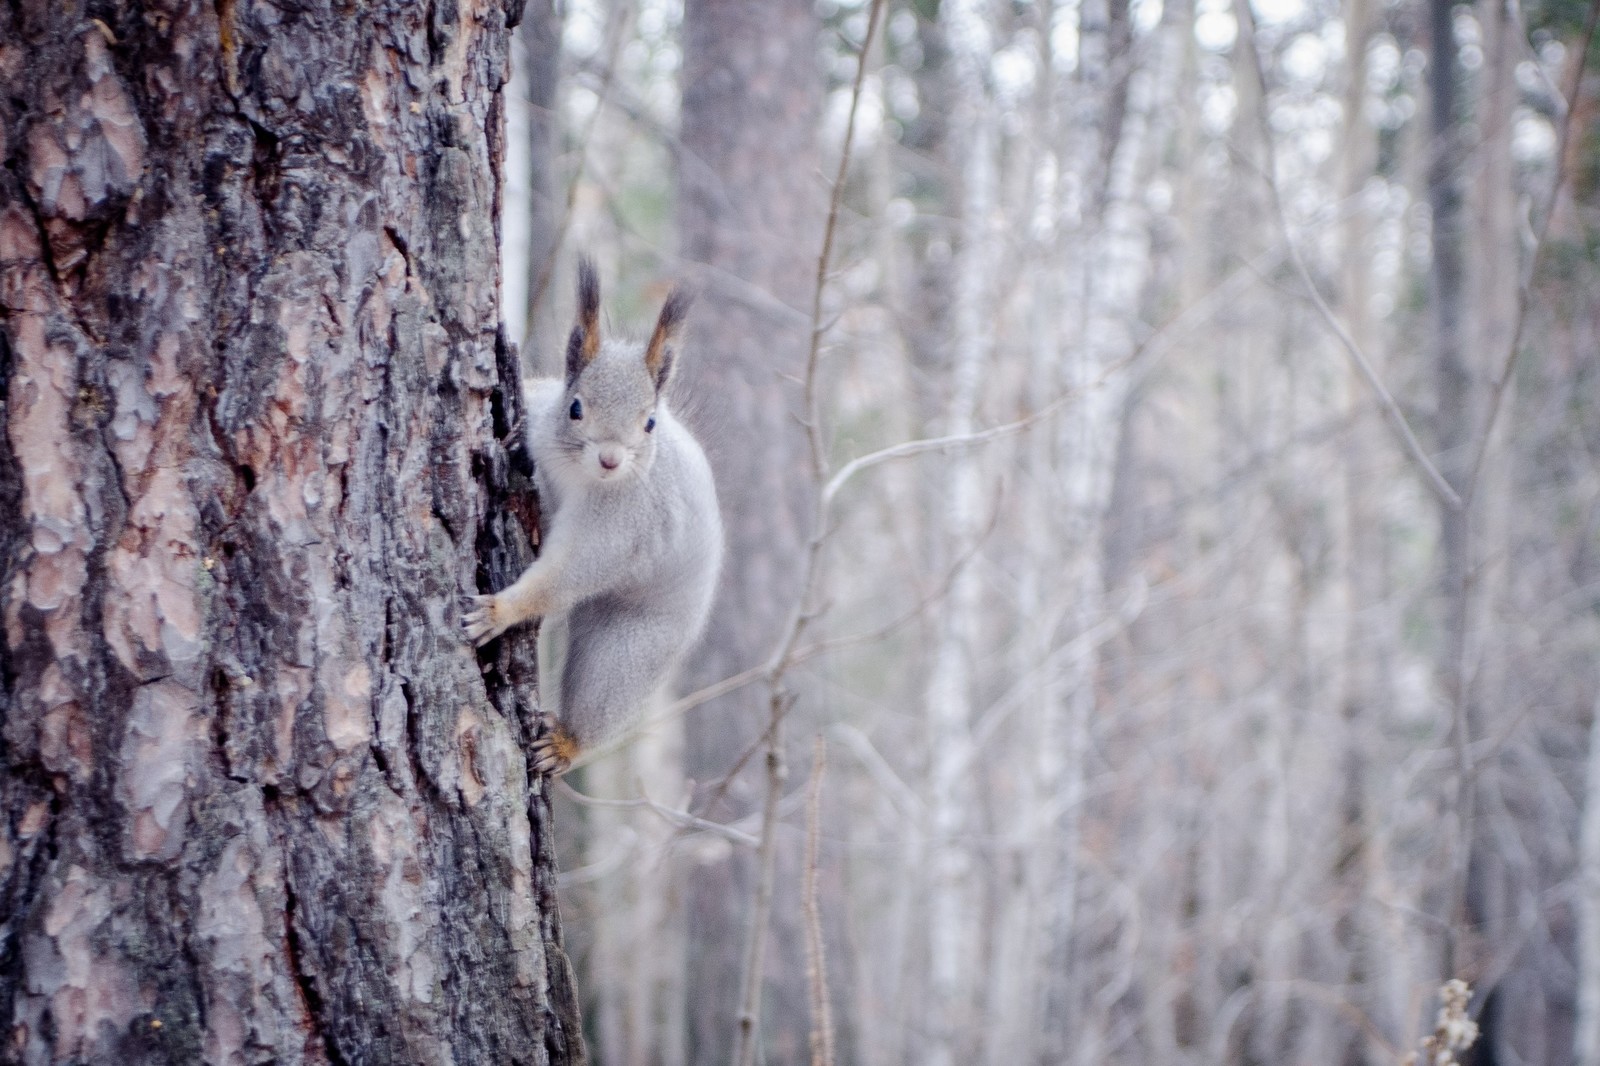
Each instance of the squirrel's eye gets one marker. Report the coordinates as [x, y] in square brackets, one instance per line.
[575, 412]
[650, 423]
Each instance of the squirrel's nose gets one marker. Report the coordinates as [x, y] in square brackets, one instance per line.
[610, 460]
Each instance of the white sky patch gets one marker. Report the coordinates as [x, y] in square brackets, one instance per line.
[1215, 28]
[1276, 12]
[969, 27]
[1218, 103]
[1383, 63]
[1305, 60]
[1318, 146]
[1064, 39]
[1014, 70]
[1336, 39]
[584, 30]
[901, 94]
[1533, 140]
[1158, 196]
[1043, 222]
[652, 20]
[869, 115]
[1146, 15]
[1553, 54]
[902, 27]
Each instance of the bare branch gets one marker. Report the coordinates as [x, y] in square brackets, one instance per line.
[911, 448]
[1391, 410]
[1525, 285]
[677, 818]
[816, 958]
[905, 797]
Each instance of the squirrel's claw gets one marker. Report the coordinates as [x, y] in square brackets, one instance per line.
[553, 752]
[478, 623]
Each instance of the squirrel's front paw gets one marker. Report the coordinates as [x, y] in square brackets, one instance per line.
[481, 623]
[554, 751]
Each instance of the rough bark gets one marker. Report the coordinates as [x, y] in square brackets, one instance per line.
[261, 803]
[750, 217]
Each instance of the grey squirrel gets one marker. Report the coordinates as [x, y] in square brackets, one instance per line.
[630, 531]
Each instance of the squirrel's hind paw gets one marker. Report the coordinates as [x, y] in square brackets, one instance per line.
[478, 624]
[554, 751]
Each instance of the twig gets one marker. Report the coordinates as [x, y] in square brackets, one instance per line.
[964, 440]
[1391, 409]
[622, 857]
[1102, 631]
[915, 611]
[1525, 283]
[816, 958]
[679, 819]
[903, 795]
[756, 945]
[812, 651]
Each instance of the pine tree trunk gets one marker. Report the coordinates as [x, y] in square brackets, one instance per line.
[261, 802]
[750, 213]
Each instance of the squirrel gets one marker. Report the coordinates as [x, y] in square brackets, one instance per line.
[630, 530]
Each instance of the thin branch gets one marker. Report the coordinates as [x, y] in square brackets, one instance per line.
[622, 856]
[720, 789]
[1102, 631]
[910, 448]
[903, 795]
[816, 957]
[671, 815]
[811, 651]
[709, 693]
[1525, 283]
[1396, 418]
[766, 881]
[748, 1036]
[916, 610]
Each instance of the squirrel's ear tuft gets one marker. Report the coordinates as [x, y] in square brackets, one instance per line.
[584, 344]
[658, 355]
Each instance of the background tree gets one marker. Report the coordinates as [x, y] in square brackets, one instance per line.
[749, 216]
[260, 801]
[1143, 719]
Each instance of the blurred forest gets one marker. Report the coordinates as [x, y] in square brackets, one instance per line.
[1227, 680]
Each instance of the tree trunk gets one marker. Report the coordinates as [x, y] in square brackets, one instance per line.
[262, 803]
[544, 318]
[750, 217]
[1455, 418]
[951, 1024]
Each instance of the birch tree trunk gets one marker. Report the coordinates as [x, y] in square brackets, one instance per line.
[1385, 947]
[261, 802]
[1115, 96]
[952, 1020]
